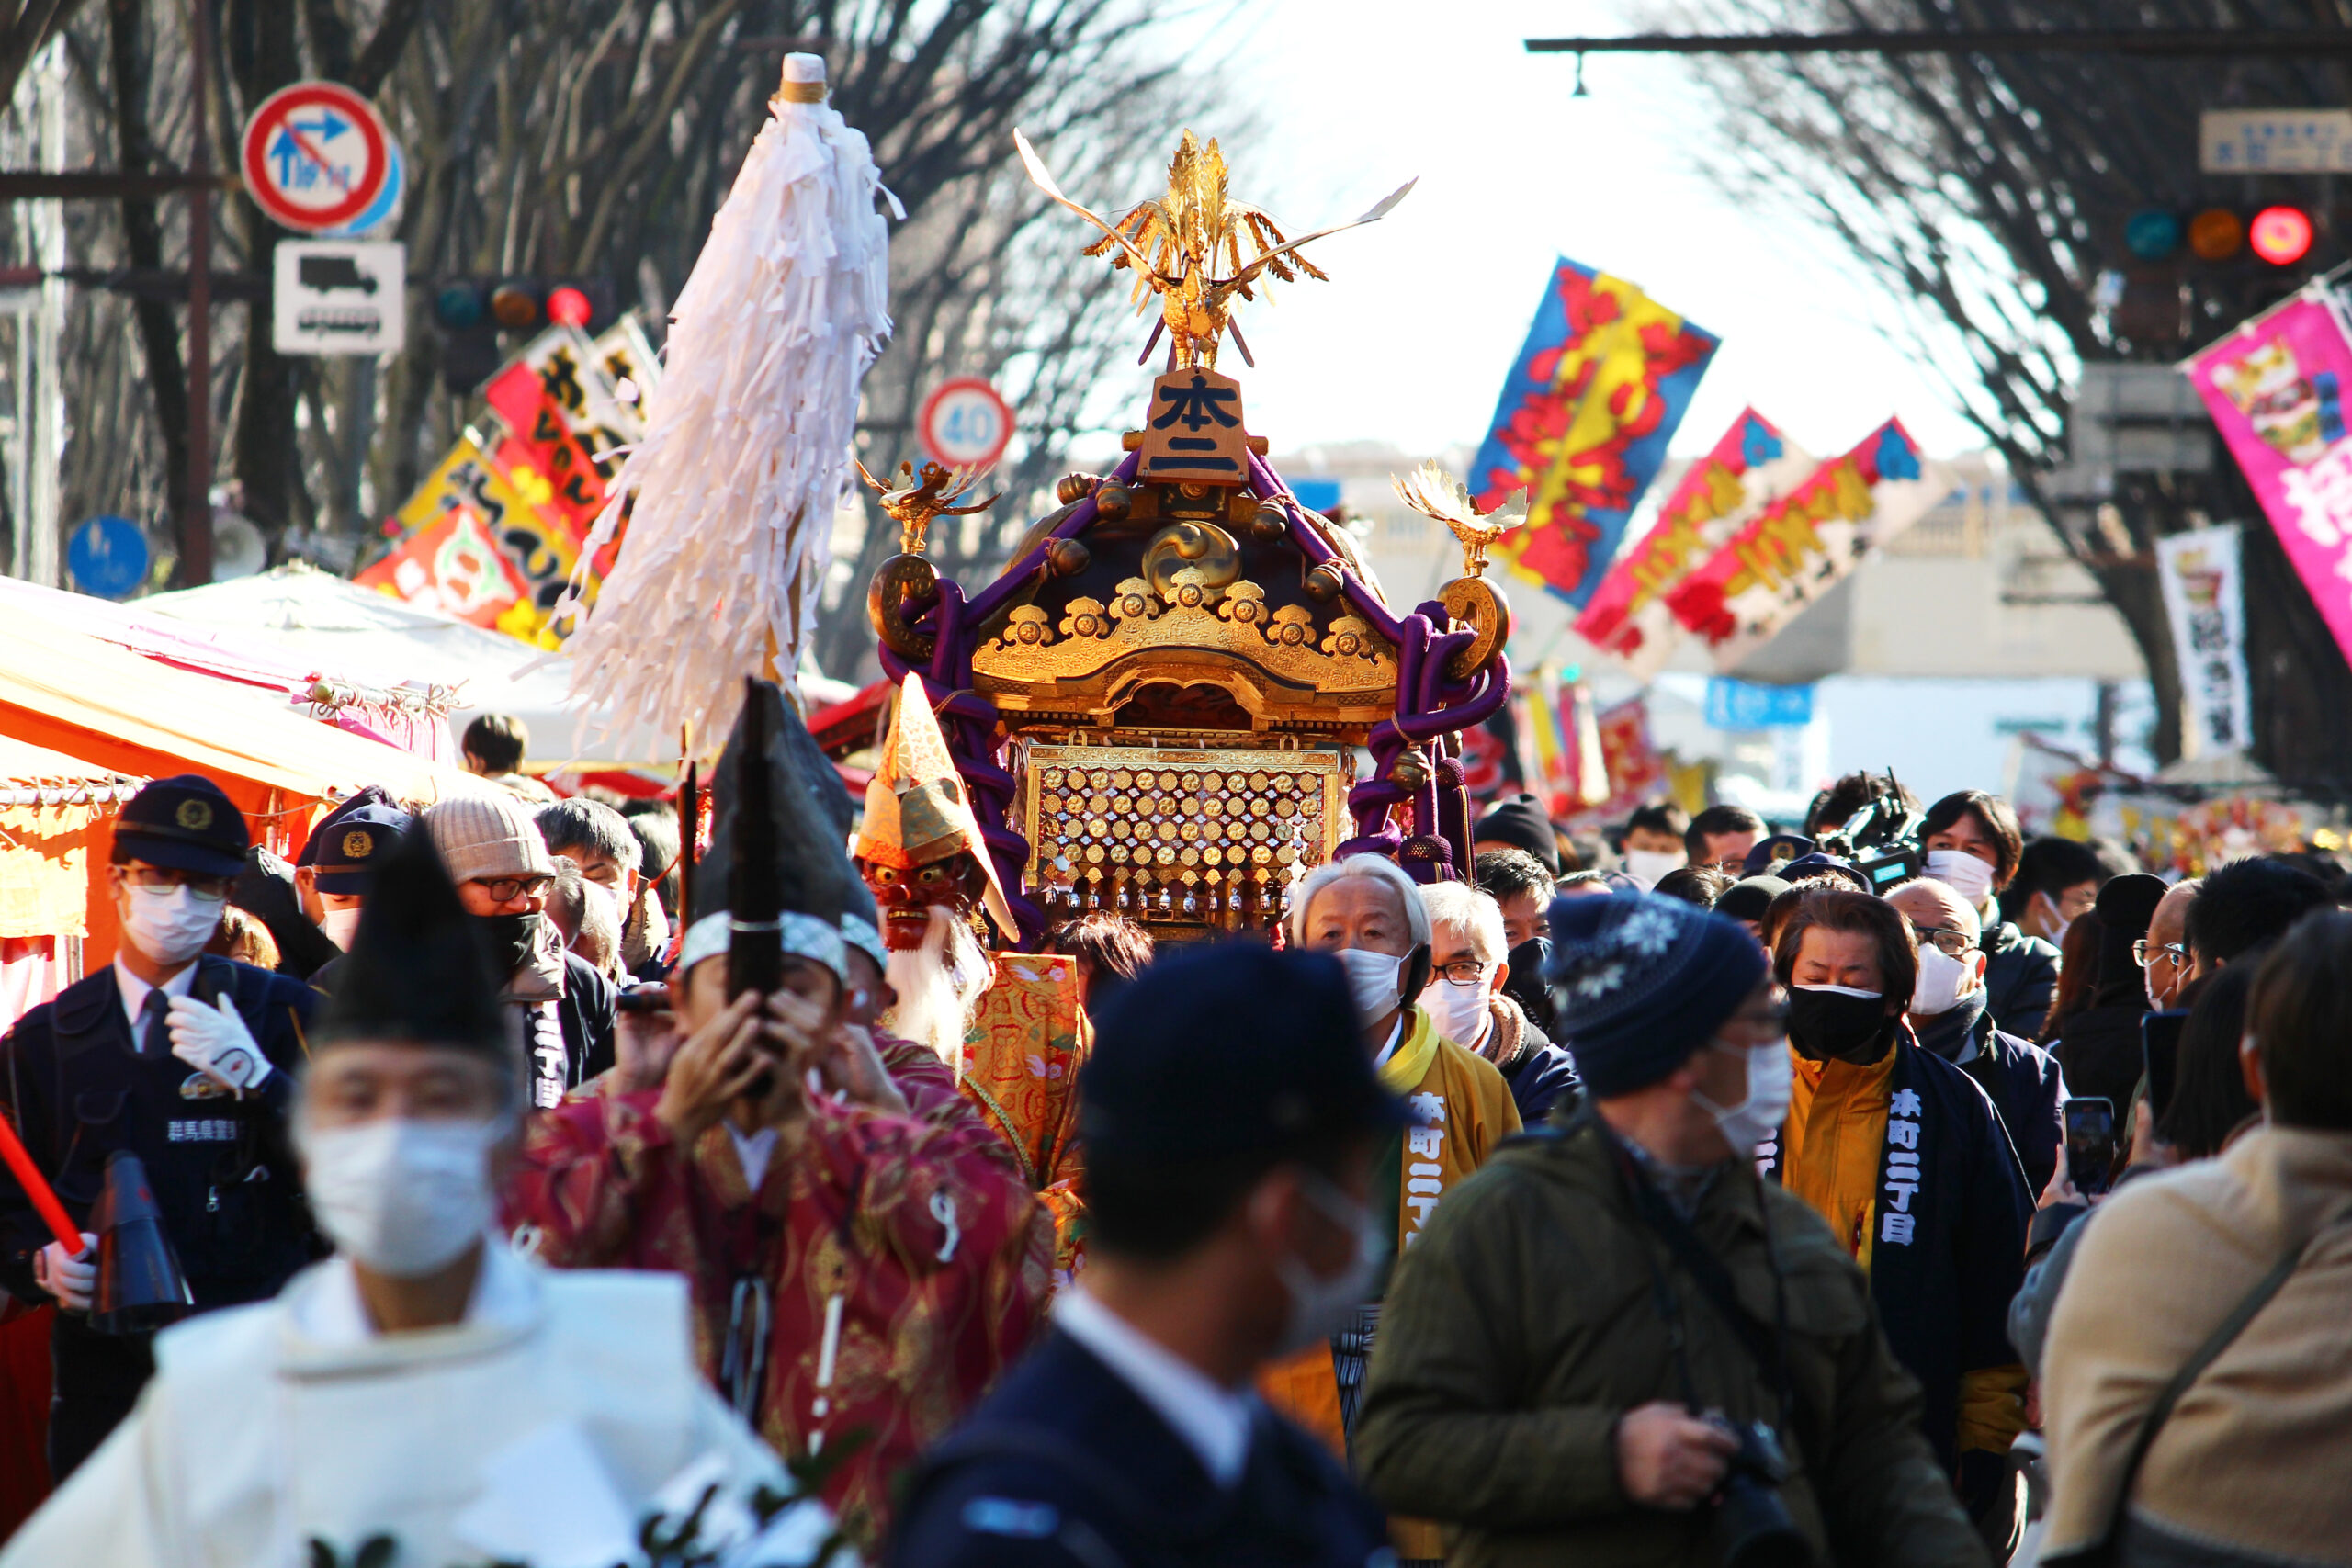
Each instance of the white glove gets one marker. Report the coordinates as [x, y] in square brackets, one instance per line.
[70, 1279]
[215, 1041]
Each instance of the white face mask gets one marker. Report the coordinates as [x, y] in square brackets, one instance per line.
[169, 925]
[1962, 872]
[403, 1198]
[1943, 980]
[1460, 1012]
[341, 926]
[1646, 866]
[2060, 924]
[1319, 1307]
[1770, 1081]
[1374, 979]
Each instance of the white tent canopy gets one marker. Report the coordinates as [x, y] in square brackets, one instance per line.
[359, 633]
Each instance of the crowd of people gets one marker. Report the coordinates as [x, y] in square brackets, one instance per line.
[1902, 1193]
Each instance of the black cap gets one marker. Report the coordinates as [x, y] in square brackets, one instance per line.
[1522, 823]
[419, 972]
[184, 823]
[1820, 865]
[1747, 899]
[1231, 1048]
[355, 839]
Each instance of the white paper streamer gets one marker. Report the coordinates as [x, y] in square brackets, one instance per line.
[735, 484]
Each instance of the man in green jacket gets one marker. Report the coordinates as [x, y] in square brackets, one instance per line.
[1577, 1342]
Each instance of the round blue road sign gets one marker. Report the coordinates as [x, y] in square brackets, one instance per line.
[108, 557]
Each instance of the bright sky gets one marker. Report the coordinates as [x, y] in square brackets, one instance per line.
[1410, 341]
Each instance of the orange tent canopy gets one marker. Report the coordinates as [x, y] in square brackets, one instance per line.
[72, 705]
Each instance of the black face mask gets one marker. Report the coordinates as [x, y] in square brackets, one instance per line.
[510, 939]
[1829, 1026]
[1527, 986]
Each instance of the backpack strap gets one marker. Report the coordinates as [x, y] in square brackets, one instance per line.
[2104, 1548]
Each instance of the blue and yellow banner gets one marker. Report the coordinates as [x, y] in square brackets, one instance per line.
[1594, 395]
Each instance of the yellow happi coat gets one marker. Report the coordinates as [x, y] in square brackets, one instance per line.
[1462, 1109]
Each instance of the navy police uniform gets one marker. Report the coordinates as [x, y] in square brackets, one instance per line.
[1065, 1466]
[79, 1085]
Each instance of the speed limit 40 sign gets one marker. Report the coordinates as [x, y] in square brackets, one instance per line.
[964, 424]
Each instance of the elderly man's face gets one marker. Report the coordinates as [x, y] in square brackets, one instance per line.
[2167, 968]
[1944, 920]
[1359, 911]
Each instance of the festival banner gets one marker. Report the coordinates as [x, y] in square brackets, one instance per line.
[1570, 771]
[2275, 389]
[1593, 398]
[1751, 467]
[562, 422]
[2204, 593]
[452, 566]
[1805, 543]
[536, 541]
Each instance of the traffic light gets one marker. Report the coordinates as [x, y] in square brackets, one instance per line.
[473, 314]
[2180, 271]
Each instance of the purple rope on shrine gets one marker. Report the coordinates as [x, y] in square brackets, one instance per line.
[1311, 543]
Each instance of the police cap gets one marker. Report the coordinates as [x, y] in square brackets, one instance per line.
[1230, 1048]
[345, 849]
[184, 823]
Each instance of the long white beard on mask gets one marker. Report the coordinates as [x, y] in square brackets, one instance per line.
[938, 983]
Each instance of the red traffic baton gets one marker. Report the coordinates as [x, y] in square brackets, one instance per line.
[37, 1187]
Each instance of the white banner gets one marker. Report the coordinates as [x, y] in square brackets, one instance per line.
[2205, 601]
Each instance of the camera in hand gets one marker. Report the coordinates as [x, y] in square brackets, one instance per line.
[1752, 1525]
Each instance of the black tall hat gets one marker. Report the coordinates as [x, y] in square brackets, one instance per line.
[840, 809]
[418, 972]
[789, 863]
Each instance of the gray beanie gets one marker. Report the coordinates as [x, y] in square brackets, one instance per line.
[491, 834]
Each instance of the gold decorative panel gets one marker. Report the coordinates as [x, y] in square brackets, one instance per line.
[1209, 839]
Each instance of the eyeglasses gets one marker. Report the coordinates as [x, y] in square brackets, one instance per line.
[2173, 952]
[1468, 972]
[1949, 940]
[506, 890]
[205, 889]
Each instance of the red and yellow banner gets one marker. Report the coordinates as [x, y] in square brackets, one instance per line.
[1805, 543]
[1591, 400]
[1751, 467]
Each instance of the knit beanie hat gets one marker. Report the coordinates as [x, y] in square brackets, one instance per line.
[1642, 982]
[490, 834]
[1522, 823]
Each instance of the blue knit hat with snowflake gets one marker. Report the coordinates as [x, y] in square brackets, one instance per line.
[1642, 982]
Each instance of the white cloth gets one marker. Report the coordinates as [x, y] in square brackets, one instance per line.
[1396, 1038]
[269, 1426]
[134, 996]
[331, 1313]
[753, 1151]
[1212, 1422]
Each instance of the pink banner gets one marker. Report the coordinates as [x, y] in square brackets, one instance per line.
[2276, 388]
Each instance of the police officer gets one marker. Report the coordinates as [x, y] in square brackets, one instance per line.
[184, 1059]
[1230, 1116]
[337, 868]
